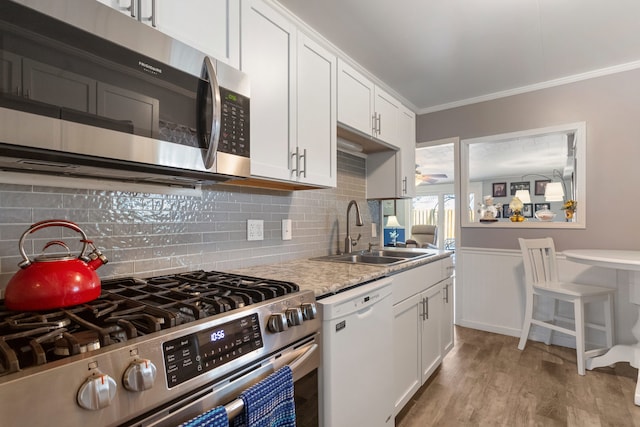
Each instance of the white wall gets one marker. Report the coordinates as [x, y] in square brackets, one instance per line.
[488, 266]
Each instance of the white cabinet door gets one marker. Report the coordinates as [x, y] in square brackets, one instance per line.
[407, 154]
[447, 317]
[212, 26]
[431, 314]
[355, 99]
[316, 113]
[387, 110]
[268, 57]
[407, 337]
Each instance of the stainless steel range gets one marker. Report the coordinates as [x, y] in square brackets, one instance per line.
[153, 352]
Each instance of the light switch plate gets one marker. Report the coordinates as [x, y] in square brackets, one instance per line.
[286, 229]
[255, 229]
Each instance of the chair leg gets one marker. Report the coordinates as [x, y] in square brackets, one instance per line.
[554, 313]
[580, 331]
[608, 320]
[526, 327]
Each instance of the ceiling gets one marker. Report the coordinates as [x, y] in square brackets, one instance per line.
[437, 54]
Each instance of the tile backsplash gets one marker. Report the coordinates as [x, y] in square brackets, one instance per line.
[144, 234]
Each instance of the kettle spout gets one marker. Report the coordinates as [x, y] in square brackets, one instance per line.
[96, 258]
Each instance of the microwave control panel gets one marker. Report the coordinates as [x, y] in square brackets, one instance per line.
[234, 126]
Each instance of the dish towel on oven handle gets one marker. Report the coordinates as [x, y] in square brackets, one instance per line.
[217, 417]
[269, 403]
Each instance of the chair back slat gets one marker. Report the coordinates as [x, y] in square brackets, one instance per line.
[539, 258]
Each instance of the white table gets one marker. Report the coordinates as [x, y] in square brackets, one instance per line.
[620, 260]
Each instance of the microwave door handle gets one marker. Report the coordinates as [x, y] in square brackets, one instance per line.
[214, 90]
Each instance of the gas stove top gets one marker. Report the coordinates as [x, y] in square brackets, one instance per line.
[144, 348]
[127, 308]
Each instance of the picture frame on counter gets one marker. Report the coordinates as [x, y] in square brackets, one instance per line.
[540, 206]
[527, 210]
[499, 189]
[388, 207]
[540, 186]
[515, 186]
[506, 211]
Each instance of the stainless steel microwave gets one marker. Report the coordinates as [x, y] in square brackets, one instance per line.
[87, 91]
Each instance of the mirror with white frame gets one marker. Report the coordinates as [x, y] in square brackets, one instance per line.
[546, 167]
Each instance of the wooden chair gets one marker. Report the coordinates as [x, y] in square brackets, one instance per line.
[541, 278]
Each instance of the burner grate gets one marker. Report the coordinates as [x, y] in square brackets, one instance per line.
[128, 308]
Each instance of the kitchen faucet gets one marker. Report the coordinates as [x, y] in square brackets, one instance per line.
[348, 241]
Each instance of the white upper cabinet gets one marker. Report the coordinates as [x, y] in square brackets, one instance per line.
[355, 99]
[268, 56]
[407, 145]
[316, 113]
[365, 107]
[293, 100]
[391, 174]
[387, 112]
[212, 26]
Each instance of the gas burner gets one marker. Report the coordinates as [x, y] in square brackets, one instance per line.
[128, 308]
[81, 342]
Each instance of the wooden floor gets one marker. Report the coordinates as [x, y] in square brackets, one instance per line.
[486, 381]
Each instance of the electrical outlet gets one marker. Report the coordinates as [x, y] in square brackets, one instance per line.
[374, 229]
[255, 229]
[286, 229]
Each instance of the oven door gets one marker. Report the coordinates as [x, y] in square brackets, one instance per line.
[303, 358]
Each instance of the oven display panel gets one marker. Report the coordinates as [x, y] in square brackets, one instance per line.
[192, 355]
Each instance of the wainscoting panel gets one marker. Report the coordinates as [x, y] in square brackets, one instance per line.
[490, 294]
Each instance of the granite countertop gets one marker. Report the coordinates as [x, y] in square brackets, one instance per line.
[325, 278]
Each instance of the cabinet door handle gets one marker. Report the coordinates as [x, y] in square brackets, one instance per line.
[379, 123]
[374, 128]
[404, 185]
[426, 308]
[446, 294]
[131, 8]
[151, 18]
[303, 172]
[295, 158]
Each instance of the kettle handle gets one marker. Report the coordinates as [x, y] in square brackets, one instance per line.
[51, 223]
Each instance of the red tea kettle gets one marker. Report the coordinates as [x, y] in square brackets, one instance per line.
[55, 281]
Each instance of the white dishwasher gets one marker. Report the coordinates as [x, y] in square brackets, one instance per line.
[355, 378]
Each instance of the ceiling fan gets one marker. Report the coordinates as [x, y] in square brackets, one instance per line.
[431, 178]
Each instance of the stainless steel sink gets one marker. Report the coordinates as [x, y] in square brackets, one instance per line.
[380, 257]
[402, 253]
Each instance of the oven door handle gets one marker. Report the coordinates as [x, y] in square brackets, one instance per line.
[235, 408]
[299, 360]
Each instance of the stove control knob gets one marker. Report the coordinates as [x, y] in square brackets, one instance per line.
[140, 375]
[308, 310]
[294, 316]
[277, 323]
[97, 392]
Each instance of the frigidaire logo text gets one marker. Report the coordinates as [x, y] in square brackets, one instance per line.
[150, 68]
